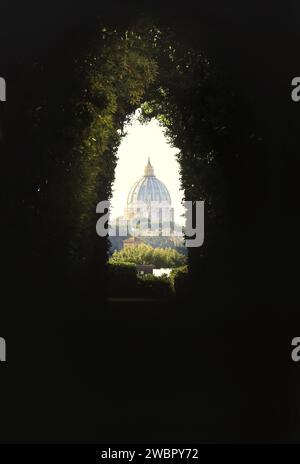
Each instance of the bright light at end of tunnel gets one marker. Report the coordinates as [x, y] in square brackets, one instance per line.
[141, 142]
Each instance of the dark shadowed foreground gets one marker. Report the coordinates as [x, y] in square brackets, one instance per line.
[148, 371]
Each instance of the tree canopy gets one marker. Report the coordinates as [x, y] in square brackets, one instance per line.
[145, 254]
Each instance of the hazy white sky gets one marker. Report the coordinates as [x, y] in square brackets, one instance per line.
[141, 142]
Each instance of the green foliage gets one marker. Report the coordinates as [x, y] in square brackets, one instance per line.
[145, 254]
[117, 73]
[162, 242]
[154, 287]
[122, 269]
[179, 281]
[122, 279]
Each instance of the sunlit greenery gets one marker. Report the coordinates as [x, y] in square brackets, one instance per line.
[145, 254]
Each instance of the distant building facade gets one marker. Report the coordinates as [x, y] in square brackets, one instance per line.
[143, 269]
[131, 242]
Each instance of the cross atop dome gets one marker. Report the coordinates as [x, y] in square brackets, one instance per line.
[149, 171]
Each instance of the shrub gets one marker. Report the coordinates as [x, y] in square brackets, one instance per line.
[179, 281]
[154, 287]
[122, 279]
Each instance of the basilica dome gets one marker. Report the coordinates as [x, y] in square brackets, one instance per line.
[147, 189]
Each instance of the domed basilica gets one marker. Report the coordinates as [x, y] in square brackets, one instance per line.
[149, 199]
[148, 216]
